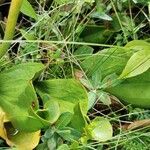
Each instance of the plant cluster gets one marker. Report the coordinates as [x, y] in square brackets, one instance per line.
[75, 75]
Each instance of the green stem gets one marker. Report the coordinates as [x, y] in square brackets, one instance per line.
[10, 26]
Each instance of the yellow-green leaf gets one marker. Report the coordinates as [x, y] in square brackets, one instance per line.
[28, 10]
[137, 64]
[20, 140]
[99, 129]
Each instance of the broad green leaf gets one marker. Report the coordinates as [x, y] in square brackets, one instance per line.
[108, 61]
[99, 129]
[137, 64]
[78, 121]
[113, 60]
[135, 90]
[28, 10]
[67, 92]
[18, 98]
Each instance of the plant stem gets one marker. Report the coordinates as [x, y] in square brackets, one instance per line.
[10, 26]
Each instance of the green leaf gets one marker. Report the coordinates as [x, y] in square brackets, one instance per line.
[138, 45]
[101, 15]
[49, 133]
[28, 36]
[74, 145]
[53, 110]
[69, 134]
[83, 51]
[63, 147]
[25, 140]
[137, 64]
[134, 90]
[63, 120]
[99, 129]
[67, 92]
[110, 80]
[86, 83]
[28, 10]
[92, 99]
[15, 138]
[104, 97]
[18, 98]
[78, 121]
[113, 60]
[108, 61]
[96, 78]
[95, 34]
[52, 143]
